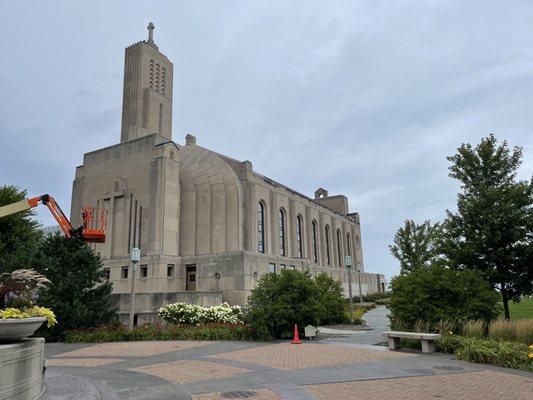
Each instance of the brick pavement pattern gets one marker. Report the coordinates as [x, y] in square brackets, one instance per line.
[486, 385]
[191, 371]
[287, 356]
[261, 394]
[134, 349]
[82, 362]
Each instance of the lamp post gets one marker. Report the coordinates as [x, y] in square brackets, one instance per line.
[358, 268]
[135, 255]
[348, 264]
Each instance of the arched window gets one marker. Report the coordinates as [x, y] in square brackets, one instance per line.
[339, 249]
[349, 244]
[282, 251]
[260, 227]
[328, 254]
[299, 236]
[315, 242]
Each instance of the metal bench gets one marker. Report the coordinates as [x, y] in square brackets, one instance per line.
[427, 339]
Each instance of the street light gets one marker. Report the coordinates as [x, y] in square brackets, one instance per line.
[135, 255]
[348, 264]
[358, 269]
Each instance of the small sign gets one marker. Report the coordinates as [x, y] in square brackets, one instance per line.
[310, 331]
[348, 261]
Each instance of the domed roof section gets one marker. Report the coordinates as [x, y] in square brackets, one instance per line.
[212, 202]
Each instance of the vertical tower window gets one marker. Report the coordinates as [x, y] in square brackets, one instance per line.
[348, 244]
[299, 236]
[260, 227]
[315, 241]
[282, 251]
[328, 254]
[160, 118]
[339, 248]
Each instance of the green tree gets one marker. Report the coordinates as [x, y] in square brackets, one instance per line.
[78, 294]
[439, 293]
[19, 233]
[492, 230]
[415, 246]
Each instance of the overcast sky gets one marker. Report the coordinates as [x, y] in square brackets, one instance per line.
[363, 98]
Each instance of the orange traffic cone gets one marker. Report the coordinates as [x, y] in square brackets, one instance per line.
[296, 337]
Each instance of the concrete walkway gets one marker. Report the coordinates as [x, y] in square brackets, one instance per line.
[326, 369]
[376, 319]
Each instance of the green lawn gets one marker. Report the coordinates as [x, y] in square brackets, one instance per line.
[522, 310]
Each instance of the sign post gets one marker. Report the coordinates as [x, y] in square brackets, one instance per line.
[135, 256]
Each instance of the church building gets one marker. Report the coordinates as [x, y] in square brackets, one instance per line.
[208, 226]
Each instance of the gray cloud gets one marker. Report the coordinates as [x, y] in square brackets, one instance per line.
[364, 98]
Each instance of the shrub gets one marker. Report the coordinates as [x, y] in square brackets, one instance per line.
[292, 297]
[331, 300]
[115, 333]
[191, 314]
[437, 293]
[372, 298]
[496, 352]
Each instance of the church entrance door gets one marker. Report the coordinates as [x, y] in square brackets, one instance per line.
[190, 282]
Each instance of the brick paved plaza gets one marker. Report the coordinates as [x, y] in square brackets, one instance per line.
[325, 369]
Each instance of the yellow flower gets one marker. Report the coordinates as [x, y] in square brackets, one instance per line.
[530, 355]
[450, 333]
[531, 346]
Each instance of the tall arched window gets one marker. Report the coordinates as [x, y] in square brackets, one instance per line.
[349, 244]
[260, 227]
[339, 248]
[299, 236]
[315, 242]
[282, 251]
[328, 254]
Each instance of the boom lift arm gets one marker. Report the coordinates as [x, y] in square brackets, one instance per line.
[85, 232]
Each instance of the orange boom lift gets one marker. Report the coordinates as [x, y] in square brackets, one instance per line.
[85, 232]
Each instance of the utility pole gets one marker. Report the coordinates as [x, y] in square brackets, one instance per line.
[348, 264]
[135, 255]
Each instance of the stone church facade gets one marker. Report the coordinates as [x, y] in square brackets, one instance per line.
[208, 226]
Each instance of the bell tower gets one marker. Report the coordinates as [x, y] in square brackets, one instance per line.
[147, 94]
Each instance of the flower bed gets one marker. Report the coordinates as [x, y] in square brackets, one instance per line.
[192, 314]
[162, 332]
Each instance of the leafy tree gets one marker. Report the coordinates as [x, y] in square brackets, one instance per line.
[19, 233]
[492, 230]
[281, 300]
[415, 246]
[78, 294]
[439, 293]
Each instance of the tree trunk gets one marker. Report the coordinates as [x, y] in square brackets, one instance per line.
[505, 302]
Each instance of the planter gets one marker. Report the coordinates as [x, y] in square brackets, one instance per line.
[15, 329]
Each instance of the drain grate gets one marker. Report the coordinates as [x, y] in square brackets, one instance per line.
[420, 371]
[448, 368]
[238, 394]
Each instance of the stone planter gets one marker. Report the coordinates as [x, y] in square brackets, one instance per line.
[15, 329]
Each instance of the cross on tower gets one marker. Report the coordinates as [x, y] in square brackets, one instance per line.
[151, 28]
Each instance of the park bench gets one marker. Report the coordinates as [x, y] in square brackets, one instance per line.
[427, 339]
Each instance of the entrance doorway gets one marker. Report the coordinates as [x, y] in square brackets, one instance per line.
[190, 279]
